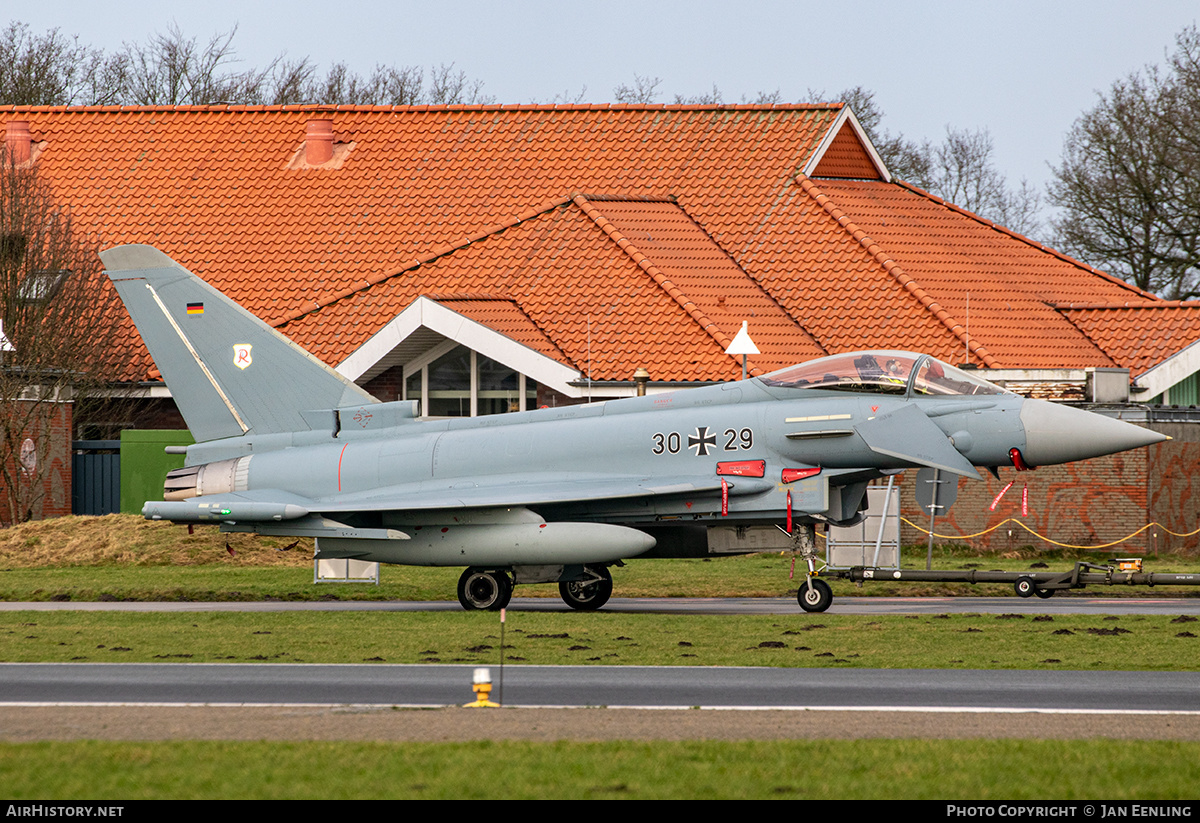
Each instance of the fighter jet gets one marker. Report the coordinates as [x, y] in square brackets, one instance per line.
[287, 446]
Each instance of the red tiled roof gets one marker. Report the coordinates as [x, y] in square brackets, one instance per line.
[691, 219]
[1139, 337]
[212, 188]
[986, 286]
[215, 188]
[506, 317]
[615, 284]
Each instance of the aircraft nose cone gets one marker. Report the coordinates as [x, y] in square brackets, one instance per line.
[1060, 434]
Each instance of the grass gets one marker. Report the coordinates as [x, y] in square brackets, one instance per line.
[970, 641]
[127, 558]
[782, 769]
[123, 557]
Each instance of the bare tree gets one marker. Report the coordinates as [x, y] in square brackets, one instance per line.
[172, 68]
[56, 325]
[643, 91]
[448, 86]
[566, 98]
[963, 172]
[284, 82]
[713, 98]
[1128, 183]
[52, 69]
[763, 98]
[961, 169]
[386, 85]
[1181, 97]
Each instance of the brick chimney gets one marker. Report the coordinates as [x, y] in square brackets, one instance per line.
[318, 142]
[18, 140]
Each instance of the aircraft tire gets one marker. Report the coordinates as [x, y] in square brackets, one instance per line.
[587, 596]
[815, 599]
[1025, 587]
[481, 590]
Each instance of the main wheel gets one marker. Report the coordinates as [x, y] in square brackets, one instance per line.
[588, 595]
[1025, 587]
[814, 598]
[484, 590]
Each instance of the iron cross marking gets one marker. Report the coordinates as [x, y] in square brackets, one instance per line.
[701, 440]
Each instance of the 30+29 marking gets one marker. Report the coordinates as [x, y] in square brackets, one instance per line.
[701, 440]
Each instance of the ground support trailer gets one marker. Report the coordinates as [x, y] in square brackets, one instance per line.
[1025, 583]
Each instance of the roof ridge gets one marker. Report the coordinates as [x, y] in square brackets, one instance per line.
[446, 107]
[629, 198]
[643, 261]
[470, 296]
[893, 269]
[434, 254]
[1156, 304]
[1027, 240]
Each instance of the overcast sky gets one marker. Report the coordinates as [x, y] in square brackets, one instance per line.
[1024, 70]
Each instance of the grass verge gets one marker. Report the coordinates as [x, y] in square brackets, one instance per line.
[791, 769]
[123, 557]
[970, 641]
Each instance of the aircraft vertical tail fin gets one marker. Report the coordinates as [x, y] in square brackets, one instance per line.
[229, 372]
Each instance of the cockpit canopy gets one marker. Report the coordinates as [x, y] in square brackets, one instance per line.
[882, 372]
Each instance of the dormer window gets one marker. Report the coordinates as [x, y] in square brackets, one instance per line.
[41, 286]
[461, 382]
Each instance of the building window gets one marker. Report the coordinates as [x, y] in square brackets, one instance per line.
[460, 382]
[1184, 393]
[448, 381]
[499, 387]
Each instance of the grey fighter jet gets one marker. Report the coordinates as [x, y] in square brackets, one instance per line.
[287, 446]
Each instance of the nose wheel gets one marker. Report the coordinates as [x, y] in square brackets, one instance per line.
[482, 590]
[814, 595]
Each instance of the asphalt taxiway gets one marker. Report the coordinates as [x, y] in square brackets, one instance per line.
[858, 690]
[1123, 693]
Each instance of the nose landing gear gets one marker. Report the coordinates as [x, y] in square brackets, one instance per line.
[815, 595]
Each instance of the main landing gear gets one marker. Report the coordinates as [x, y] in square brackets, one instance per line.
[482, 590]
[591, 592]
[491, 590]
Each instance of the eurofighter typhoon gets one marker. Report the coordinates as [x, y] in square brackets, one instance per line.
[287, 446]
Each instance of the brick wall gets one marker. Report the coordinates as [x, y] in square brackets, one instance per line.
[1085, 504]
[388, 386]
[45, 490]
